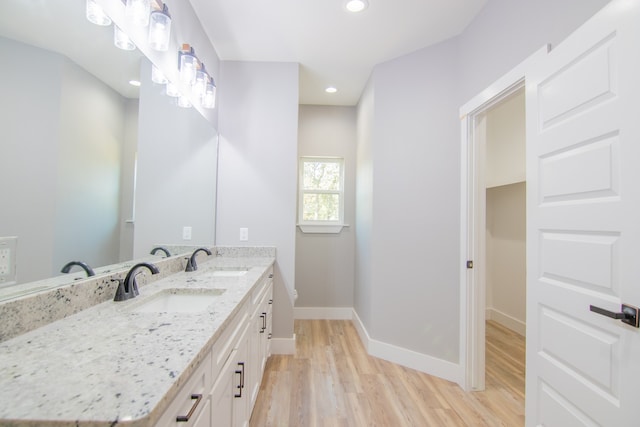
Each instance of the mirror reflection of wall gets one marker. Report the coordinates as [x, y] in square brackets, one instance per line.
[177, 169]
[63, 137]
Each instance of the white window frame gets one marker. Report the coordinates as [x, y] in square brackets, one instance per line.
[320, 226]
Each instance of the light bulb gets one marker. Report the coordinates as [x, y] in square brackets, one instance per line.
[200, 83]
[160, 29]
[137, 12]
[96, 15]
[188, 67]
[184, 102]
[157, 76]
[172, 90]
[209, 97]
[121, 40]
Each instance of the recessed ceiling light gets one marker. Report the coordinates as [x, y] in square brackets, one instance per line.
[135, 83]
[356, 5]
[331, 89]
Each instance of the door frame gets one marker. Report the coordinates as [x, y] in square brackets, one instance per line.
[473, 221]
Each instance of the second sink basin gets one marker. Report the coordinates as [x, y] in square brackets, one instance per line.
[179, 301]
[229, 272]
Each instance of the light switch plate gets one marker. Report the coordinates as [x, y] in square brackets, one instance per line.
[8, 273]
[244, 234]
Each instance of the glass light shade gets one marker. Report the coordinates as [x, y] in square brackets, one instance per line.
[184, 102]
[159, 30]
[96, 15]
[157, 76]
[200, 84]
[121, 39]
[172, 90]
[209, 97]
[188, 67]
[137, 12]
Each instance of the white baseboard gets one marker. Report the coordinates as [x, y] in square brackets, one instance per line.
[329, 313]
[509, 322]
[409, 358]
[283, 345]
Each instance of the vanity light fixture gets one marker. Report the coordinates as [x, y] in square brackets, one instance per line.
[157, 76]
[172, 90]
[159, 28]
[200, 84]
[187, 64]
[184, 102]
[96, 15]
[209, 97]
[135, 83]
[356, 5]
[122, 40]
[137, 12]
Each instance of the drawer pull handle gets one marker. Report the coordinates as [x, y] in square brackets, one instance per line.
[264, 322]
[240, 386]
[185, 418]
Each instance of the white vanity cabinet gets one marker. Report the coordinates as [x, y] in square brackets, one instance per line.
[222, 390]
[260, 337]
[191, 406]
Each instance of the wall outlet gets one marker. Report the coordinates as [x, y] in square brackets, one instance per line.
[186, 233]
[8, 274]
[244, 234]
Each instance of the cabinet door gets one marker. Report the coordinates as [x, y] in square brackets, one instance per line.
[204, 419]
[222, 395]
[240, 396]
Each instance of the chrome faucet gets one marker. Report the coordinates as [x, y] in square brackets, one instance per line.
[84, 265]
[128, 288]
[191, 262]
[161, 249]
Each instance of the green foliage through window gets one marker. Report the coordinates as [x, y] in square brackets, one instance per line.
[321, 190]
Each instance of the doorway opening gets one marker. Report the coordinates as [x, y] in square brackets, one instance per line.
[492, 171]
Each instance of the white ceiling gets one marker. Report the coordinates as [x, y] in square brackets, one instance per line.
[332, 46]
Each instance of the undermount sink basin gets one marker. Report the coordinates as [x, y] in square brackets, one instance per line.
[179, 301]
[230, 272]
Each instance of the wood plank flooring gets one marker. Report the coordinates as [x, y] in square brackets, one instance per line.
[332, 381]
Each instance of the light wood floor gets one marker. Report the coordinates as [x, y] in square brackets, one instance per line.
[331, 381]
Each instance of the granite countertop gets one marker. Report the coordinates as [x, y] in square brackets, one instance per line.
[108, 365]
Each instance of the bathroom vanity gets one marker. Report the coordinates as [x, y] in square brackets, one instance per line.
[190, 350]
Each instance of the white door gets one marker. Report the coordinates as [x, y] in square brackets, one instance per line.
[583, 225]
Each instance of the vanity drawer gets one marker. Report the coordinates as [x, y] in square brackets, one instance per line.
[192, 398]
[228, 340]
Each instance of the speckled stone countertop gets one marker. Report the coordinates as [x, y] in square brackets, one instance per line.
[108, 365]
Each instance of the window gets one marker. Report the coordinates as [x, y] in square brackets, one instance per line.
[321, 194]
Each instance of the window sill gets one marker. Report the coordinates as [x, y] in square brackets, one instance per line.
[322, 228]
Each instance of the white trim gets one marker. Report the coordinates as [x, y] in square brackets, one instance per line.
[421, 362]
[471, 289]
[322, 228]
[332, 313]
[283, 345]
[509, 322]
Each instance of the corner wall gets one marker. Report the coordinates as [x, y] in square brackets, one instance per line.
[408, 210]
[257, 171]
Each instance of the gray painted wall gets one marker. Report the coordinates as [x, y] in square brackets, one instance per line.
[258, 120]
[407, 279]
[325, 262]
[61, 139]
